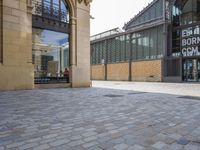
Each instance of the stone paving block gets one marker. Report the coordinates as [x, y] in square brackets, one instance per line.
[159, 145]
[91, 138]
[183, 141]
[41, 147]
[90, 144]
[136, 147]
[50, 136]
[95, 148]
[87, 134]
[13, 145]
[121, 146]
[28, 146]
[191, 147]
[77, 117]
[175, 146]
[1, 148]
[75, 143]
[59, 142]
[77, 137]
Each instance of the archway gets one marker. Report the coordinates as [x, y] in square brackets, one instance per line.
[51, 41]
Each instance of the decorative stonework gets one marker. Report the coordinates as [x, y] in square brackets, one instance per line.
[87, 2]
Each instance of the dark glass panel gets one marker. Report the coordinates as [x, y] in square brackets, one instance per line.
[50, 55]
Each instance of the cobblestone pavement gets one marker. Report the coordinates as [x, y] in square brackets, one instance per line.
[98, 119]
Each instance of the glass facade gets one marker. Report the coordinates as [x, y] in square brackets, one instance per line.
[50, 55]
[186, 37]
[154, 12]
[146, 44]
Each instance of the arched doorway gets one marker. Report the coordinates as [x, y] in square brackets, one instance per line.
[51, 41]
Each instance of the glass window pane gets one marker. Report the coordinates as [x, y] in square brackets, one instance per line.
[128, 47]
[50, 53]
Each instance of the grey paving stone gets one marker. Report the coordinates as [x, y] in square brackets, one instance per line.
[90, 144]
[183, 141]
[41, 147]
[91, 138]
[1, 148]
[87, 134]
[68, 119]
[121, 146]
[77, 137]
[28, 146]
[136, 147]
[75, 143]
[13, 145]
[191, 147]
[159, 145]
[59, 142]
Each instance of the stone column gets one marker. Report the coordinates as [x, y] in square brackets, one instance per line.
[16, 71]
[81, 46]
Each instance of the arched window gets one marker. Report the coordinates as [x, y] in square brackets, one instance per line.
[50, 41]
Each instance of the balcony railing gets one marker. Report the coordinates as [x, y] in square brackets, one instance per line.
[49, 11]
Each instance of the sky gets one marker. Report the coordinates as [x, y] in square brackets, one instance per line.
[109, 14]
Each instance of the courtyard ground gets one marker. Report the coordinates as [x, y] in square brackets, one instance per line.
[109, 116]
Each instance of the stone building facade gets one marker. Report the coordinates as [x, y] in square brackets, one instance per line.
[17, 70]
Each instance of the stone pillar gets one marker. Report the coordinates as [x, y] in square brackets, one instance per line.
[16, 71]
[80, 63]
[1, 31]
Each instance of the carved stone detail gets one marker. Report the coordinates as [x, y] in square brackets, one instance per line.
[87, 2]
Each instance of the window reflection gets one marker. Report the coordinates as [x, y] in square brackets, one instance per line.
[186, 12]
[50, 55]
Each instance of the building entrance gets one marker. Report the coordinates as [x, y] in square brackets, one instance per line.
[191, 70]
[50, 41]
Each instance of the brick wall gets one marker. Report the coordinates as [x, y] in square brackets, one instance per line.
[98, 72]
[147, 71]
[119, 71]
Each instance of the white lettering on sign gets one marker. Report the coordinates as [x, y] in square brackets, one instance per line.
[191, 41]
[190, 51]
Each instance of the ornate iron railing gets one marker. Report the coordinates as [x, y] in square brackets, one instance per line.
[50, 11]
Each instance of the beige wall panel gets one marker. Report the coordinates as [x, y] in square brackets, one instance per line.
[147, 71]
[1, 39]
[16, 78]
[16, 71]
[119, 71]
[98, 72]
[81, 48]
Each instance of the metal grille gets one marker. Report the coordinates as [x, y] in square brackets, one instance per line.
[50, 11]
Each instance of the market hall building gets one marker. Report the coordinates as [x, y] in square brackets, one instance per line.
[161, 43]
[44, 43]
